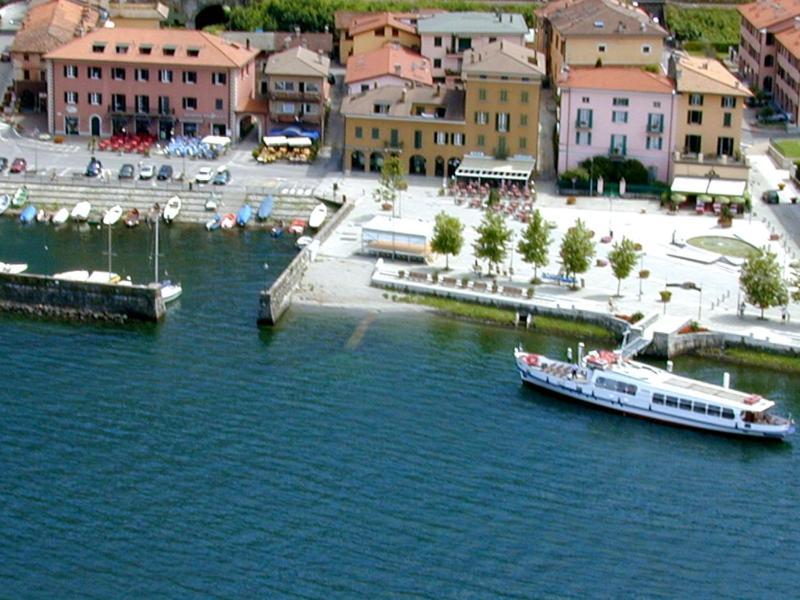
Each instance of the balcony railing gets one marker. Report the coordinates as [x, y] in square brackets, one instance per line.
[583, 124]
[616, 153]
[657, 127]
[393, 146]
[292, 95]
[737, 159]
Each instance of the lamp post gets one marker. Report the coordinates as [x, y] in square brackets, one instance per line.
[591, 177]
[641, 268]
[35, 150]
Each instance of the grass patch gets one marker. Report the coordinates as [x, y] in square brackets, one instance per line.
[789, 148]
[503, 316]
[757, 358]
[727, 246]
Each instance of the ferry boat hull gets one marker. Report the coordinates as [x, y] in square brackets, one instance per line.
[572, 385]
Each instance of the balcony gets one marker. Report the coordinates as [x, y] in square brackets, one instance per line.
[583, 124]
[697, 164]
[393, 146]
[657, 127]
[709, 159]
[616, 153]
[293, 95]
[146, 111]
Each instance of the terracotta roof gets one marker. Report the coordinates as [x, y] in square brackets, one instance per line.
[343, 18]
[624, 79]
[50, 25]
[213, 50]
[298, 61]
[252, 105]
[401, 102]
[765, 14]
[790, 40]
[389, 60]
[707, 76]
[374, 20]
[504, 58]
[602, 18]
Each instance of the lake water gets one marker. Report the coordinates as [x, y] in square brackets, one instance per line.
[205, 457]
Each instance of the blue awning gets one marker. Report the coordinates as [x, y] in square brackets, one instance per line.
[293, 131]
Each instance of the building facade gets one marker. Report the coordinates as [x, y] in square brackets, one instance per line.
[371, 31]
[787, 73]
[445, 37]
[617, 112]
[299, 91]
[149, 81]
[137, 15]
[390, 65]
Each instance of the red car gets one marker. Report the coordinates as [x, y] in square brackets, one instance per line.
[20, 165]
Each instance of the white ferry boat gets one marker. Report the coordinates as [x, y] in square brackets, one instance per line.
[606, 379]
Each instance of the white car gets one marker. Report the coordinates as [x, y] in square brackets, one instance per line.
[147, 171]
[204, 175]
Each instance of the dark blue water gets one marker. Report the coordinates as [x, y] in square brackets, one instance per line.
[203, 457]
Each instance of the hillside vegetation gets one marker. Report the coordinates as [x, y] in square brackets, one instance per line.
[716, 26]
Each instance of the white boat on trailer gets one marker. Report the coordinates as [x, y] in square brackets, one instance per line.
[608, 380]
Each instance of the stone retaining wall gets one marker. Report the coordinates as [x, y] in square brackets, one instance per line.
[668, 345]
[41, 295]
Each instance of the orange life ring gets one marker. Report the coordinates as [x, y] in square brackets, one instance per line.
[532, 360]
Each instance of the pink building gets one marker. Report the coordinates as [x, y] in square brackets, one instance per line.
[159, 81]
[445, 36]
[618, 112]
[390, 65]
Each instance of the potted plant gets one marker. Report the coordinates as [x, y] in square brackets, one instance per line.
[644, 274]
[571, 200]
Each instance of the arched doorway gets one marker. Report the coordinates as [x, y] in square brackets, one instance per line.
[375, 162]
[96, 125]
[249, 125]
[214, 14]
[416, 165]
[452, 165]
[357, 161]
[438, 169]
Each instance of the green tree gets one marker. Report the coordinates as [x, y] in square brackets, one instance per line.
[762, 282]
[622, 259]
[577, 249]
[493, 238]
[391, 181]
[447, 236]
[794, 282]
[534, 243]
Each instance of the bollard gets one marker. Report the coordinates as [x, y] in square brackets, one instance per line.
[569, 354]
[528, 321]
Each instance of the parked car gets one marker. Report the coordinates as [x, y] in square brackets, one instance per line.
[222, 177]
[204, 175]
[771, 197]
[3, 163]
[127, 171]
[778, 117]
[20, 165]
[164, 173]
[147, 171]
[94, 168]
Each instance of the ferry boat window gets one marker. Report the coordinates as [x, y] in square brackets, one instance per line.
[672, 401]
[658, 398]
[713, 411]
[727, 413]
[630, 389]
[699, 407]
[686, 405]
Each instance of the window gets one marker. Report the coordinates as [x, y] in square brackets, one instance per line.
[770, 39]
[193, 52]
[437, 63]
[143, 104]
[503, 96]
[98, 47]
[70, 71]
[727, 413]
[523, 97]
[163, 105]
[218, 104]
[417, 139]
[141, 74]
[583, 138]
[523, 120]
[71, 125]
[376, 133]
[653, 142]
[286, 108]
[685, 404]
[310, 109]
[655, 123]
[523, 143]
[457, 139]
[437, 41]
[619, 144]
[725, 146]
[601, 48]
[312, 88]
[145, 49]
[584, 117]
[364, 87]
[380, 108]
[728, 102]
[394, 138]
[439, 138]
[501, 146]
[502, 122]
[464, 44]
[769, 60]
[26, 57]
[482, 94]
[727, 118]
[26, 74]
[699, 407]
[118, 73]
[658, 398]
[585, 100]
[168, 50]
[118, 102]
[190, 77]
[692, 144]
[94, 73]
[284, 86]
[713, 411]
[671, 401]
[165, 76]
[481, 141]
[95, 99]
[189, 103]
[656, 104]
[122, 48]
[71, 97]
[695, 117]
[481, 118]
[619, 116]
[695, 99]
[646, 49]
[218, 78]
[620, 102]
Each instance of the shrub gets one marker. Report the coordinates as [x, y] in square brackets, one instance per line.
[637, 247]
[644, 274]
[494, 197]
[530, 292]
[401, 274]
[464, 282]
[579, 174]
[256, 152]
[435, 277]
[666, 295]
[637, 316]
[571, 200]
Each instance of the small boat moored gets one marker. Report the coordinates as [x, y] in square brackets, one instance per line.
[265, 208]
[132, 218]
[228, 221]
[244, 215]
[61, 216]
[213, 223]
[42, 216]
[20, 196]
[5, 202]
[170, 291]
[80, 212]
[28, 214]
[213, 202]
[297, 227]
[13, 268]
[304, 241]
[318, 216]
[172, 209]
[112, 215]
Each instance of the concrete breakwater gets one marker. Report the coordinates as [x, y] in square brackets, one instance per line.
[669, 345]
[42, 295]
[274, 301]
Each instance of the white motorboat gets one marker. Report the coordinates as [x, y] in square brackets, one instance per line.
[61, 216]
[170, 291]
[608, 380]
[42, 216]
[80, 212]
[213, 202]
[112, 215]
[103, 277]
[318, 215]
[172, 209]
[20, 196]
[13, 268]
[72, 275]
[304, 241]
[5, 202]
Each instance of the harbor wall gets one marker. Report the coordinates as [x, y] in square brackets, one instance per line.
[668, 345]
[274, 300]
[42, 295]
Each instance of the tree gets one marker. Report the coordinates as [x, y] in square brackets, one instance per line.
[493, 238]
[391, 181]
[447, 236]
[577, 249]
[762, 282]
[794, 282]
[622, 259]
[534, 243]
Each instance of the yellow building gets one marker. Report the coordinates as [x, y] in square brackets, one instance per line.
[433, 128]
[583, 32]
[370, 32]
[708, 120]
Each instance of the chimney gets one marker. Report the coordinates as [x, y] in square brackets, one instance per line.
[247, 43]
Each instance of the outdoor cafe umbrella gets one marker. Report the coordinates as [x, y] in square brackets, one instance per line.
[622, 186]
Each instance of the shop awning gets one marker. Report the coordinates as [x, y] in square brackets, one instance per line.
[726, 187]
[689, 185]
[490, 168]
[299, 142]
[217, 140]
[275, 140]
[293, 131]
[712, 187]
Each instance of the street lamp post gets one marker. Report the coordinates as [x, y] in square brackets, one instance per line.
[641, 268]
